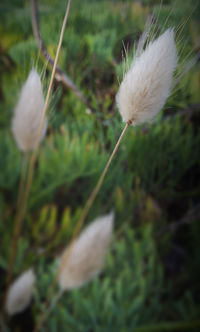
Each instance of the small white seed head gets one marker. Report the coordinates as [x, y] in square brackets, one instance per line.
[20, 293]
[28, 114]
[147, 84]
[87, 254]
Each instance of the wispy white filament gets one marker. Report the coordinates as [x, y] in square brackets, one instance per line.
[147, 84]
[87, 254]
[28, 113]
[20, 293]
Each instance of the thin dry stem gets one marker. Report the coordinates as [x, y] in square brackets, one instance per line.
[22, 208]
[90, 201]
[60, 75]
[78, 227]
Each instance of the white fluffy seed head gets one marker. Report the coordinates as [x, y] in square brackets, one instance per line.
[20, 293]
[87, 254]
[28, 113]
[147, 84]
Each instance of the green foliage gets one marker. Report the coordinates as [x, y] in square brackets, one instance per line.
[105, 304]
[10, 164]
[71, 158]
[181, 152]
[127, 296]
[151, 277]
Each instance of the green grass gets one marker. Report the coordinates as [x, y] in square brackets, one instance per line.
[151, 277]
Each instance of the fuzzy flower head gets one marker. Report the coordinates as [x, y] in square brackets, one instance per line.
[147, 84]
[28, 113]
[87, 255]
[20, 293]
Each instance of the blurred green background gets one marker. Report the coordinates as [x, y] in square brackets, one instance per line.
[151, 277]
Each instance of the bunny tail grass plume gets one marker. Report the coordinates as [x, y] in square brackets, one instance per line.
[87, 254]
[20, 293]
[147, 84]
[28, 113]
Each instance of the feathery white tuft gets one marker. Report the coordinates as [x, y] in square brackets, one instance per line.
[87, 254]
[20, 293]
[28, 113]
[147, 84]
